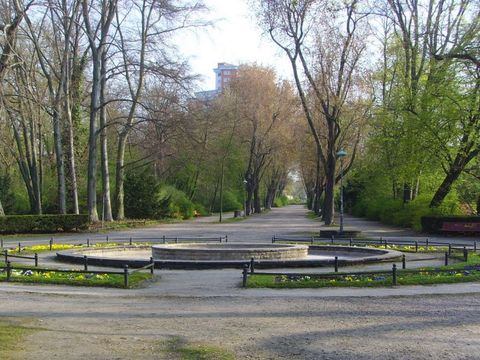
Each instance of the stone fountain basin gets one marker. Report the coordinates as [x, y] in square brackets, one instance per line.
[318, 256]
[228, 252]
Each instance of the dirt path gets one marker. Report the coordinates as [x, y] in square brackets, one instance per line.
[210, 309]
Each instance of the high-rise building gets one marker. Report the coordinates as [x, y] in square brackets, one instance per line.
[224, 73]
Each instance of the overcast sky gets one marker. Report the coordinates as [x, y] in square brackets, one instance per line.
[235, 39]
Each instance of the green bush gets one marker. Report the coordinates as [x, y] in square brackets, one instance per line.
[230, 202]
[141, 201]
[176, 203]
[12, 224]
[280, 201]
[395, 212]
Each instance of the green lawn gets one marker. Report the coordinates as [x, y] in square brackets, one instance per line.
[460, 272]
[88, 279]
[178, 349]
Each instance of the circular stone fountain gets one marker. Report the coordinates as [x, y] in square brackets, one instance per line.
[229, 251]
[227, 255]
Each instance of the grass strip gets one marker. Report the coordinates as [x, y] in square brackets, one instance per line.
[177, 348]
[76, 279]
[457, 273]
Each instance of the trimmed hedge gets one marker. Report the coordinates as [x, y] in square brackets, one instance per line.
[458, 224]
[12, 224]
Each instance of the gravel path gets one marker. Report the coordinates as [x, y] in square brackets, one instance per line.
[436, 322]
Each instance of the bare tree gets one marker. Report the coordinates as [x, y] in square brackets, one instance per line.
[12, 14]
[336, 48]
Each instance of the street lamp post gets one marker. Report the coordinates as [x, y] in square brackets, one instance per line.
[341, 154]
[244, 198]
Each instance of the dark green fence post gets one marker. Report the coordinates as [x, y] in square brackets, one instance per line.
[449, 249]
[9, 270]
[474, 246]
[152, 262]
[51, 243]
[88, 242]
[245, 275]
[107, 239]
[426, 244]
[1, 243]
[125, 276]
[416, 246]
[404, 263]
[19, 247]
[36, 259]
[335, 263]
[273, 239]
[465, 253]
[446, 258]
[386, 243]
[226, 239]
[252, 265]
[6, 256]
[394, 275]
[85, 262]
[130, 241]
[331, 239]
[350, 242]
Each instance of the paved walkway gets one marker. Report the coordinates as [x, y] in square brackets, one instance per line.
[209, 307]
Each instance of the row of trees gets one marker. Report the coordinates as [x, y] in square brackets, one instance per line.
[407, 69]
[91, 88]
[91, 93]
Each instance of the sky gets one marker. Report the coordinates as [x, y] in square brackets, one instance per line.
[235, 38]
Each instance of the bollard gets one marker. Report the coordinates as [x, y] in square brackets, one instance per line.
[36, 259]
[51, 243]
[245, 274]
[252, 265]
[19, 247]
[465, 253]
[9, 270]
[404, 263]
[416, 246]
[335, 263]
[446, 258]
[85, 262]
[152, 262]
[394, 275]
[130, 241]
[449, 249]
[125, 276]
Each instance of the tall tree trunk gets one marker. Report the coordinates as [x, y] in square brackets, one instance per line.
[328, 203]
[92, 145]
[445, 187]
[119, 204]
[478, 205]
[2, 213]
[257, 204]
[106, 201]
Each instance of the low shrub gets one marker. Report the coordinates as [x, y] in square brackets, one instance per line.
[395, 212]
[230, 202]
[14, 224]
[280, 201]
